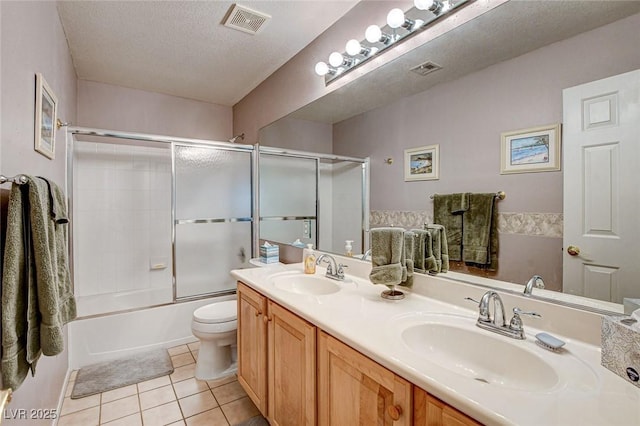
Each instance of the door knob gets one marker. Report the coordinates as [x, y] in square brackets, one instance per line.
[573, 250]
[395, 411]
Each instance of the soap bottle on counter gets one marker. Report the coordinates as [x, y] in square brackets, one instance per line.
[309, 260]
[348, 248]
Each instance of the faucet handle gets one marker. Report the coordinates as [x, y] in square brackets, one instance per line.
[340, 271]
[516, 321]
[483, 309]
[518, 311]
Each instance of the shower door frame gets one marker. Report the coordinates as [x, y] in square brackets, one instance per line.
[73, 131]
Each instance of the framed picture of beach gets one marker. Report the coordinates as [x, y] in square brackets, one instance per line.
[45, 125]
[422, 163]
[531, 150]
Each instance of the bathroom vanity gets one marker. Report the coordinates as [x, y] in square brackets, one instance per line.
[317, 351]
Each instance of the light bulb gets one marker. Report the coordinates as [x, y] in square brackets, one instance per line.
[423, 4]
[322, 68]
[373, 34]
[446, 5]
[395, 18]
[336, 59]
[353, 47]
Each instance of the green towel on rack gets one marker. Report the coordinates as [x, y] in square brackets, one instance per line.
[480, 237]
[37, 298]
[444, 207]
[440, 247]
[420, 237]
[409, 254]
[387, 253]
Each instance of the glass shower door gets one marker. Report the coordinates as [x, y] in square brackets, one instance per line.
[213, 215]
[288, 198]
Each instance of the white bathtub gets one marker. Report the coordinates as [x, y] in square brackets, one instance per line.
[112, 336]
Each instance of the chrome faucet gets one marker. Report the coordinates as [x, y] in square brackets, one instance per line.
[338, 267]
[498, 325]
[535, 281]
[365, 254]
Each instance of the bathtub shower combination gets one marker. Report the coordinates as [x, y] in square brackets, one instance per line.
[158, 222]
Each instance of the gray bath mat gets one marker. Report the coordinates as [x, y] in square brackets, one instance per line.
[255, 421]
[121, 372]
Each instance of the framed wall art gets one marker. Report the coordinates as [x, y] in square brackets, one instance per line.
[46, 113]
[531, 150]
[422, 163]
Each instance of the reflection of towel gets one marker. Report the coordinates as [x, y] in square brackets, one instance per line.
[443, 208]
[480, 239]
[459, 203]
[440, 247]
[409, 255]
[420, 250]
[36, 288]
[387, 251]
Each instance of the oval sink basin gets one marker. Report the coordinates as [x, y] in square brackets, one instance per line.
[479, 355]
[306, 284]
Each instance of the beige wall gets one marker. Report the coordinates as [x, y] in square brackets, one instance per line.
[106, 106]
[301, 135]
[33, 41]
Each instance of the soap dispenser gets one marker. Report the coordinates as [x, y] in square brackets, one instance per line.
[309, 260]
[348, 248]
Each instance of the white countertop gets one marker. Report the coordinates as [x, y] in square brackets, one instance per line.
[358, 316]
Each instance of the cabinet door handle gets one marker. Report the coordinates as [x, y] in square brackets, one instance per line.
[258, 313]
[395, 411]
[266, 319]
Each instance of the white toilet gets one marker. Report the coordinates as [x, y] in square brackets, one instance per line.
[216, 326]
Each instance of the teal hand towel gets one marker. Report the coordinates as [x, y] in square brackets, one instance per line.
[442, 215]
[440, 247]
[409, 254]
[480, 238]
[387, 252]
[419, 250]
[459, 203]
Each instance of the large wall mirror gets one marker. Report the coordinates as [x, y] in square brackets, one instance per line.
[501, 72]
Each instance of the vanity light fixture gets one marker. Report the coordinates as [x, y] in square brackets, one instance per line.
[400, 25]
[354, 48]
[374, 34]
[396, 19]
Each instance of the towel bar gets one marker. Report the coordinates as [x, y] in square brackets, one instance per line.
[500, 195]
[17, 179]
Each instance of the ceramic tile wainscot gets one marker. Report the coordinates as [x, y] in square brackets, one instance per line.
[547, 388]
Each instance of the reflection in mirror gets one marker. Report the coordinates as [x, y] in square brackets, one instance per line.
[319, 199]
[503, 71]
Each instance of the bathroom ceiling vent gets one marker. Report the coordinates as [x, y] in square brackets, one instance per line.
[426, 68]
[246, 20]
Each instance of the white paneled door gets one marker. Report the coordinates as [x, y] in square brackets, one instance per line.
[601, 243]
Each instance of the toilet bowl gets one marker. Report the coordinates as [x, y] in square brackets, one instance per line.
[216, 326]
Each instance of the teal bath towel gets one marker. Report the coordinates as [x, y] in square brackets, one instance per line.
[480, 237]
[387, 253]
[448, 210]
[37, 298]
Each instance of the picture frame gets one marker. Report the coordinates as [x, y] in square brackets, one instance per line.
[422, 163]
[531, 150]
[45, 118]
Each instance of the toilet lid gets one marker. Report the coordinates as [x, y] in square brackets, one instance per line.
[217, 312]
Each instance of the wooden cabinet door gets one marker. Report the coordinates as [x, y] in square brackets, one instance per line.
[430, 411]
[354, 390]
[252, 345]
[292, 369]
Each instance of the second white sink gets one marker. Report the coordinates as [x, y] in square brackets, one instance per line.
[479, 355]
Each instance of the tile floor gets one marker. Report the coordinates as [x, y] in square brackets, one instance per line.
[175, 399]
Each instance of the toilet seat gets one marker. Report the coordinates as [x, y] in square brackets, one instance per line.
[217, 313]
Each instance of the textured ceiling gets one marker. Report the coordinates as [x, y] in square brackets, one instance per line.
[181, 48]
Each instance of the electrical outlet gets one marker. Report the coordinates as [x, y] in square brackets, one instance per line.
[306, 228]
